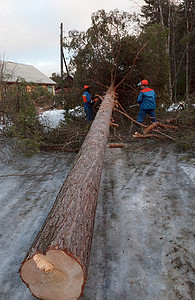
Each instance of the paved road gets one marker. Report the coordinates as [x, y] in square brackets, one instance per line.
[143, 246]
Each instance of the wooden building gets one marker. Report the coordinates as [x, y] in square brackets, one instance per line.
[13, 73]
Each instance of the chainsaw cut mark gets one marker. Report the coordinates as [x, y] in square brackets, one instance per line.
[54, 276]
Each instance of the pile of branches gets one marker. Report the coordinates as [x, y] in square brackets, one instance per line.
[68, 137]
[156, 130]
[169, 129]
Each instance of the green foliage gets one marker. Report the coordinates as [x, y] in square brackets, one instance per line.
[40, 96]
[186, 141]
[73, 98]
[20, 111]
[154, 61]
[178, 17]
[95, 50]
[68, 136]
[73, 115]
[186, 138]
[151, 11]
[57, 78]
[104, 48]
[109, 46]
[67, 80]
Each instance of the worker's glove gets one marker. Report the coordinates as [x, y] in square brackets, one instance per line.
[93, 101]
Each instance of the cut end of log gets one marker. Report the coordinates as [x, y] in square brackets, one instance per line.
[54, 276]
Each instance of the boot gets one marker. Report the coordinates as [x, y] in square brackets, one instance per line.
[138, 128]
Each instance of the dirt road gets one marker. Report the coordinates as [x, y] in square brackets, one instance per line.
[143, 246]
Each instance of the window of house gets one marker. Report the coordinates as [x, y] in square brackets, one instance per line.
[50, 88]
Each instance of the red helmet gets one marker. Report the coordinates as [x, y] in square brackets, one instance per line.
[86, 87]
[144, 82]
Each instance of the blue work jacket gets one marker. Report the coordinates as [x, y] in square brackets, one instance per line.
[87, 99]
[146, 99]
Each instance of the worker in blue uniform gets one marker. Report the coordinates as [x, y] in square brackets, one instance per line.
[146, 100]
[88, 102]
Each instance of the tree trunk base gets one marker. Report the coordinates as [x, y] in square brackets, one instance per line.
[54, 276]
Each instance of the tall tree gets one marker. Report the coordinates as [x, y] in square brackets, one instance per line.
[189, 8]
[153, 63]
[105, 52]
[160, 12]
[155, 12]
[178, 17]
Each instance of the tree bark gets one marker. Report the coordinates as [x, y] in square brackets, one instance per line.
[56, 265]
[169, 51]
[187, 4]
[161, 13]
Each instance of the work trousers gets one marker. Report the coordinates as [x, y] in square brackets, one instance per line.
[142, 114]
[89, 113]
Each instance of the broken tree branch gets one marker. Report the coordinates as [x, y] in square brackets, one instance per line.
[139, 135]
[157, 124]
[115, 65]
[97, 82]
[131, 68]
[114, 124]
[114, 145]
[162, 133]
[125, 114]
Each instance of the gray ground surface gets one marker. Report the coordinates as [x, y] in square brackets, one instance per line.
[143, 246]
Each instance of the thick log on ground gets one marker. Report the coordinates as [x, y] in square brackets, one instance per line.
[56, 265]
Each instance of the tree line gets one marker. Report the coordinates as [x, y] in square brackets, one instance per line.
[108, 48]
[118, 47]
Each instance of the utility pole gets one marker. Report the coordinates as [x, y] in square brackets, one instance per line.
[61, 55]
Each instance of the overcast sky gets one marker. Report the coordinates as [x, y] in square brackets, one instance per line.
[30, 29]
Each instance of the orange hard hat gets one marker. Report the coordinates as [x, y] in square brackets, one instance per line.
[86, 87]
[144, 82]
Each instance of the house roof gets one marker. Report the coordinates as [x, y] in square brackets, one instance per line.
[14, 72]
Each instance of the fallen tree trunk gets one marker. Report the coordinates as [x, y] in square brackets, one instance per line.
[56, 265]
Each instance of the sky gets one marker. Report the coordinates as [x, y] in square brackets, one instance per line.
[30, 29]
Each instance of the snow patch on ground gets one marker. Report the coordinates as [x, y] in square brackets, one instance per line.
[189, 170]
[175, 106]
[52, 118]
